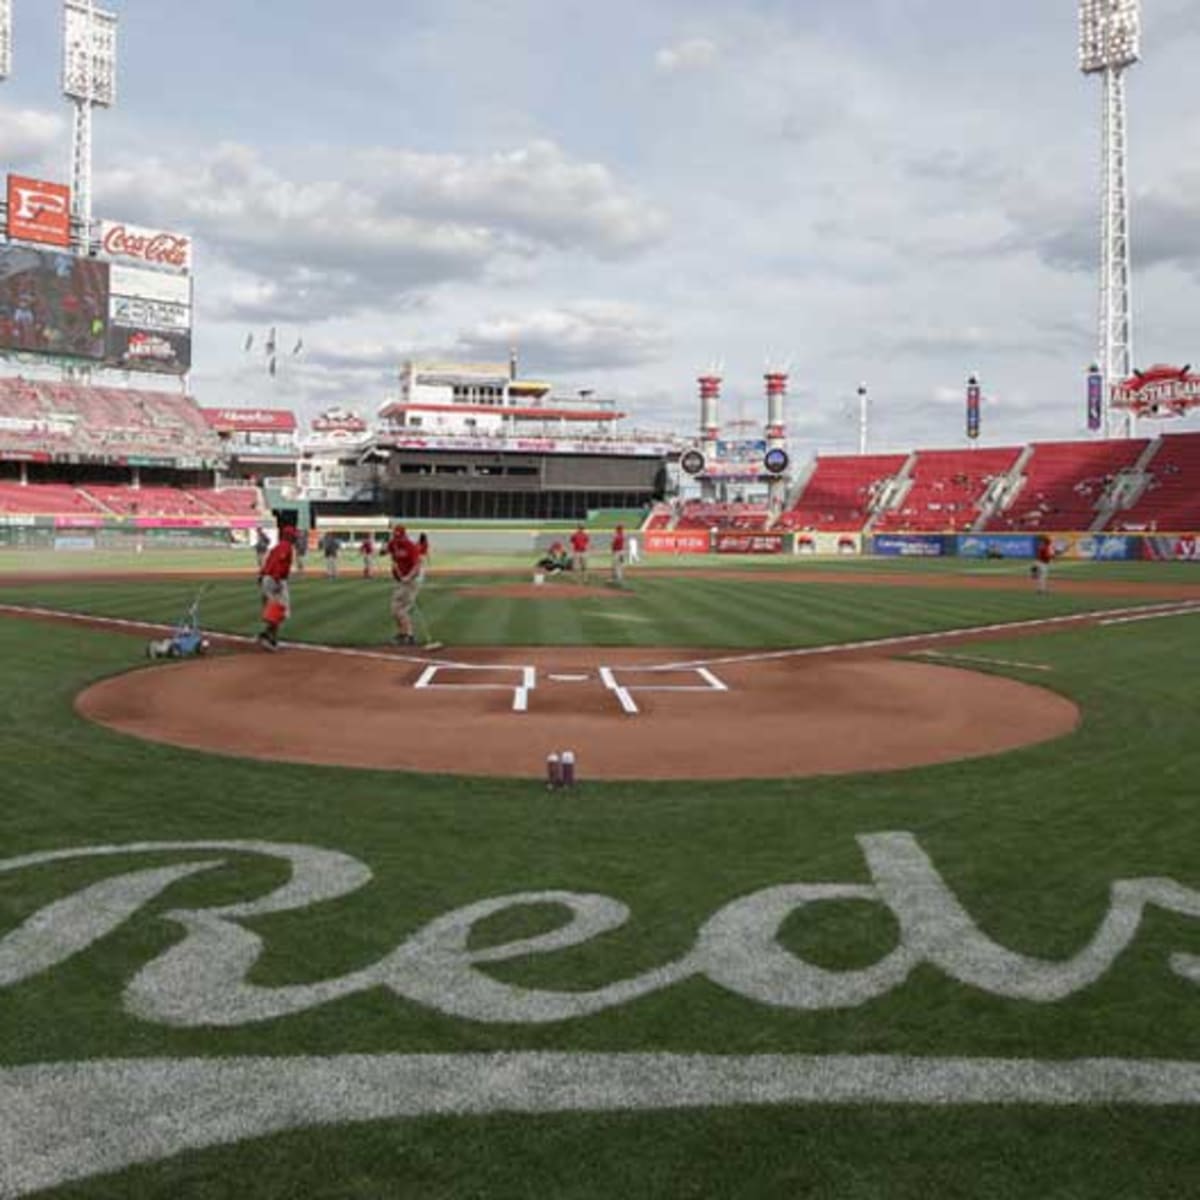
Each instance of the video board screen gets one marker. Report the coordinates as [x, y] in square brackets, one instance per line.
[52, 303]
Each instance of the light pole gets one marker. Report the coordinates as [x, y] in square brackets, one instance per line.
[862, 418]
[5, 38]
[1109, 43]
[89, 81]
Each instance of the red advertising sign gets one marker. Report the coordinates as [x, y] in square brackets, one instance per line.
[250, 420]
[39, 211]
[675, 541]
[145, 247]
[749, 543]
[1159, 391]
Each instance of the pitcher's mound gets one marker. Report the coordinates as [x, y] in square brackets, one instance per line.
[623, 713]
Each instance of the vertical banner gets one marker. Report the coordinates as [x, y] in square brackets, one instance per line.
[1095, 399]
[973, 403]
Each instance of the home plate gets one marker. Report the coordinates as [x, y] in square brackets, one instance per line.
[569, 678]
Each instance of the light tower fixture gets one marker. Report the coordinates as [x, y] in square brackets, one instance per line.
[5, 38]
[1110, 43]
[862, 418]
[89, 82]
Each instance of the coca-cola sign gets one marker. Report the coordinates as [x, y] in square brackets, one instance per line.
[151, 247]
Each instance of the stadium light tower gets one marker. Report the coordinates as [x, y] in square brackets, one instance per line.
[1109, 43]
[5, 38]
[89, 82]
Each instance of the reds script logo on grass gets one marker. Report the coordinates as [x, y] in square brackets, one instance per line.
[69, 1120]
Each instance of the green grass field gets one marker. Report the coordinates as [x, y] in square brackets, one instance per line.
[1029, 845]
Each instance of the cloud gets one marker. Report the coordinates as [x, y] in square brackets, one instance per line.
[695, 54]
[535, 192]
[390, 225]
[581, 336]
[26, 134]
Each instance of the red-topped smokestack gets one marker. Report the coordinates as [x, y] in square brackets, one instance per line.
[710, 403]
[777, 384]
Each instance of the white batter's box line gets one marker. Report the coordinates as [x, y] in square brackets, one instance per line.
[624, 692]
[520, 690]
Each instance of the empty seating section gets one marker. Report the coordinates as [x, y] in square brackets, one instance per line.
[231, 502]
[102, 421]
[660, 518]
[947, 489]
[123, 500]
[45, 499]
[1064, 483]
[1171, 501]
[840, 494]
[699, 514]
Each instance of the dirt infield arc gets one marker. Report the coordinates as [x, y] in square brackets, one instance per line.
[499, 713]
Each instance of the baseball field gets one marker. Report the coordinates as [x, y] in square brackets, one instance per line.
[879, 880]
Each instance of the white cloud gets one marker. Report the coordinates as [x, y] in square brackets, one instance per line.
[580, 336]
[691, 55]
[27, 134]
[388, 226]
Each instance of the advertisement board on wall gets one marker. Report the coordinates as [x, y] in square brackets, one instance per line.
[675, 541]
[52, 303]
[1171, 547]
[911, 545]
[1096, 547]
[137, 246]
[250, 420]
[997, 545]
[828, 543]
[39, 211]
[736, 542]
[153, 350]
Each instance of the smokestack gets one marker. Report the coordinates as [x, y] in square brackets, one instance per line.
[710, 405]
[777, 384]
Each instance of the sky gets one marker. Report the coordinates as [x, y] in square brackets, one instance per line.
[892, 192]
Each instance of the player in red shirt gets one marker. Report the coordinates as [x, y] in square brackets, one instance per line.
[406, 575]
[618, 556]
[579, 548]
[367, 549]
[1043, 557]
[273, 583]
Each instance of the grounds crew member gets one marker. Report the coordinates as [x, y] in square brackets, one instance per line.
[618, 556]
[579, 548]
[273, 584]
[330, 547]
[406, 576]
[1043, 557]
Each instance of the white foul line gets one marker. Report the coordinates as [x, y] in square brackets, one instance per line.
[907, 639]
[1155, 616]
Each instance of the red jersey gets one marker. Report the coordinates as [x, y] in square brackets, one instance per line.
[279, 562]
[404, 555]
[1045, 551]
[618, 541]
[579, 541]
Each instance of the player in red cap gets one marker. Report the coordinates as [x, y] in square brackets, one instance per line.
[579, 551]
[406, 574]
[618, 557]
[273, 583]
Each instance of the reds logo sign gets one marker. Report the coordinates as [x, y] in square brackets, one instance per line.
[131, 243]
[39, 211]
